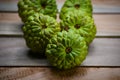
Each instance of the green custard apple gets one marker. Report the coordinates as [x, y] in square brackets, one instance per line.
[29, 7]
[66, 50]
[38, 30]
[83, 6]
[83, 25]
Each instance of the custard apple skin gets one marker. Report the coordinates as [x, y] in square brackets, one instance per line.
[38, 30]
[84, 6]
[66, 50]
[81, 24]
[29, 7]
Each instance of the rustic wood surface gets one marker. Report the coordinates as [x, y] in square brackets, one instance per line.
[45, 73]
[102, 52]
[102, 62]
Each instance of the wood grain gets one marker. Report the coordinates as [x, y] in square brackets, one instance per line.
[107, 24]
[11, 29]
[9, 17]
[106, 2]
[45, 73]
[102, 52]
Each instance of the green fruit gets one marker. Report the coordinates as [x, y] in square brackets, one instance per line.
[66, 50]
[81, 24]
[29, 7]
[38, 30]
[83, 6]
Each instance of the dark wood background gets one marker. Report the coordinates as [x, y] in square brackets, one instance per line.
[102, 62]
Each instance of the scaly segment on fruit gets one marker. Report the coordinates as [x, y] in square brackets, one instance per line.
[82, 25]
[27, 8]
[69, 52]
[38, 30]
[84, 6]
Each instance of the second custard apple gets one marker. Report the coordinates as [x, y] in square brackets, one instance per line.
[29, 7]
[84, 6]
[38, 30]
[81, 24]
[66, 50]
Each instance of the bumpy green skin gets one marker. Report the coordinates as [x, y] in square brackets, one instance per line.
[83, 25]
[29, 7]
[83, 6]
[38, 30]
[66, 50]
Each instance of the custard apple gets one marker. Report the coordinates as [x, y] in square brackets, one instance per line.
[38, 30]
[82, 25]
[66, 50]
[29, 7]
[83, 6]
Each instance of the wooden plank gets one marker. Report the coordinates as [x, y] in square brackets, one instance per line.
[99, 6]
[8, 5]
[44, 73]
[102, 52]
[106, 2]
[9, 17]
[106, 6]
[11, 29]
[107, 24]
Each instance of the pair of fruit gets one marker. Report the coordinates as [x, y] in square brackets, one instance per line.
[77, 15]
[65, 49]
[40, 25]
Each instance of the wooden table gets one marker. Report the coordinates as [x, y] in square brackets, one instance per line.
[102, 63]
